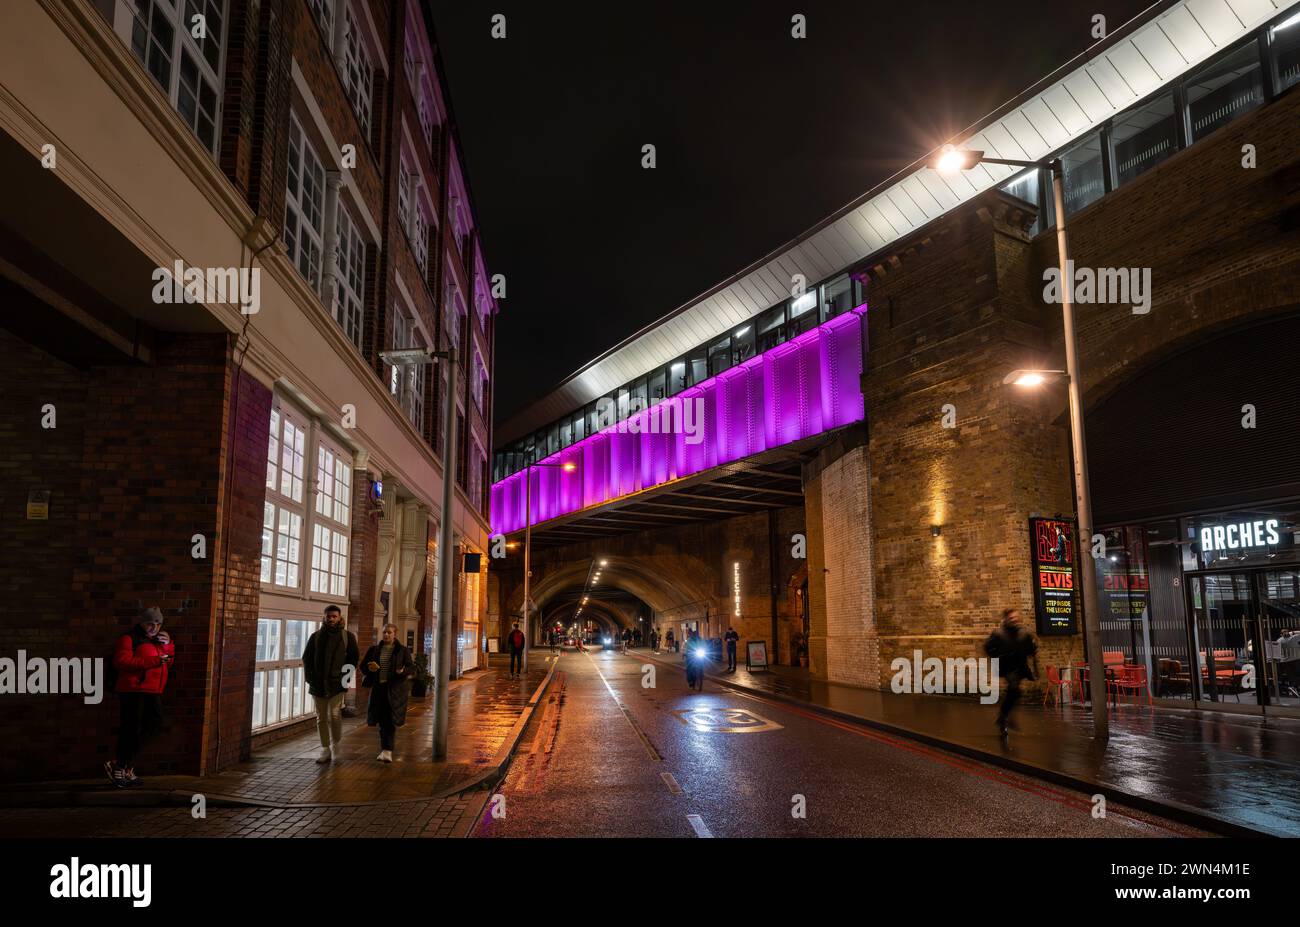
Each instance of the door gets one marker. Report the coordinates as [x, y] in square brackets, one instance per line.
[1279, 620]
[1225, 639]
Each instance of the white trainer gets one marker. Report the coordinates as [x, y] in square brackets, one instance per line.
[324, 755]
[385, 756]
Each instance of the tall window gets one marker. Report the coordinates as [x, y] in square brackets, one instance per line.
[323, 10]
[406, 381]
[332, 527]
[283, 509]
[187, 67]
[279, 689]
[351, 276]
[405, 188]
[358, 75]
[304, 206]
[420, 236]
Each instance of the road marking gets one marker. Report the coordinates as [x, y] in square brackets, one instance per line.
[725, 720]
[672, 784]
[636, 728]
[697, 822]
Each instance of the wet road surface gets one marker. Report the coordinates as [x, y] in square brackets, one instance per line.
[607, 755]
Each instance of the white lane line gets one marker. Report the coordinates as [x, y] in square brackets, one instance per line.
[636, 728]
[697, 822]
[671, 783]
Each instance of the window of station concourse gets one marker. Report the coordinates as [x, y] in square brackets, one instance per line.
[1233, 82]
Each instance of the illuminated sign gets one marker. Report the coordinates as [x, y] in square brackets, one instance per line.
[1051, 543]
[1239, 536]
[735, 586]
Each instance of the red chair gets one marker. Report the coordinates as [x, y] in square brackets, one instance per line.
[1134, 679]
[1055, 684]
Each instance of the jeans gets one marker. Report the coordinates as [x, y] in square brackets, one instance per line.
[1010, 697]
[141, 717]
[731, 657]
[329, 719]
[516, 661]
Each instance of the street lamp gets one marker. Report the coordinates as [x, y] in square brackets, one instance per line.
[568, 467]
[952, 159]
[442, 630]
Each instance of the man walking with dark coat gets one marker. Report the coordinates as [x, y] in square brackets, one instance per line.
[331, 655]
[732, 638]
[516, 642]
[1014, 648]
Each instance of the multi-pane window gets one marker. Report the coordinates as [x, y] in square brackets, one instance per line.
[477, 379]
[411, 64]
[279, 689]
[180, 44]
[406, 381]
[426, 117]
[358, 75]
[404, 190]
[420, 236]
[283, 509]
[323, 10]
[351, 276]
[304, 206]
[330, 531]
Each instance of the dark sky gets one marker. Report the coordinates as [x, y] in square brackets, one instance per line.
[758, 137]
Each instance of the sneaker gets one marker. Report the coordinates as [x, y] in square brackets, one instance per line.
[324, 755]
[385, 756]
[132, 780]
[116, 775]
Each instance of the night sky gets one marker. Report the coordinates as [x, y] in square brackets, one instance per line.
[758, 137]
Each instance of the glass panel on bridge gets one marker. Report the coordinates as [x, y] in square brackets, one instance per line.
[1229, 88]
[1144, 136]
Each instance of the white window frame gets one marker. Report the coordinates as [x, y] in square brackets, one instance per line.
[331, 521]
[306, 243]
[182, 46]
[406, 381]
[359, 70]
[350, 260]
[284, 510]
[283, 662]
[323, 12]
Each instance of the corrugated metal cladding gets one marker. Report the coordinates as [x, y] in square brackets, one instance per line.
[1167, 46]
[1171, 442]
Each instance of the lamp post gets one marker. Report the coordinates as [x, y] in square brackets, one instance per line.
[442, 630]
[952, 159]
[528, 540]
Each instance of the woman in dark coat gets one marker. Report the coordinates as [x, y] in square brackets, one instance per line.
[386, 669]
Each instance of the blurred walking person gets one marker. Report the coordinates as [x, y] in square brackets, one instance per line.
[1014, 648]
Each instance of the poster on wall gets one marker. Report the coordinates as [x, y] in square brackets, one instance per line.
[1051, 542]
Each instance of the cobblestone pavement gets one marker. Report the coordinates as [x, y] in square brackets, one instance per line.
[451, 817]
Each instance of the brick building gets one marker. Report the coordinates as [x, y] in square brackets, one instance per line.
[244, 459]
[1179, 137]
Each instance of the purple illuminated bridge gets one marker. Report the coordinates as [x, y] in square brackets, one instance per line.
[797, 390]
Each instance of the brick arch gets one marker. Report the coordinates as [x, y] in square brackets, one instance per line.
[664, 582]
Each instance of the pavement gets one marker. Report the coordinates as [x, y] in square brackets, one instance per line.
[621, 748]
[283, 791]
[1228, 773]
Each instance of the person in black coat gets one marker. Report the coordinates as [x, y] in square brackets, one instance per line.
[386, 670]
[1014, 648]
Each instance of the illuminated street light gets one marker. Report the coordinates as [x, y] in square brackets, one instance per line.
[1031, 377]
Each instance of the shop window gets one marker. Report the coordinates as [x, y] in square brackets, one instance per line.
[1083, 178]
[279, 688]
[1144, 137]
[1230, 87]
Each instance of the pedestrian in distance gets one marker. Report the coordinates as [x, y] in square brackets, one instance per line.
[142, 660]
[516, 642]
[670, 641]
[732, 638]
[1014, 648]
[386, 672]
[328, 663]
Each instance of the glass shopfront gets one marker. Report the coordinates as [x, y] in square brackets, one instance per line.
[1207, 608]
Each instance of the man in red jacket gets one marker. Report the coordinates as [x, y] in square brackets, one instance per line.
[142, 658]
